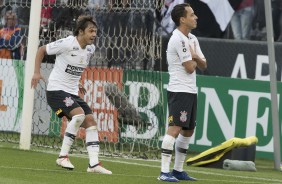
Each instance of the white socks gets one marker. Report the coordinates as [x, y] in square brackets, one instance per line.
[181, 147]
[70, 133]
[167, 147]
[92, 143]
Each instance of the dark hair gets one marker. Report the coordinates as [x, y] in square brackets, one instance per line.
[82, 22]
[179, 11]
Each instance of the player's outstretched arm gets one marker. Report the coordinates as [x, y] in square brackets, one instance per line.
[38, 59]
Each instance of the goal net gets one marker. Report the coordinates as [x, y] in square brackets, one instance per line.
[123, 90]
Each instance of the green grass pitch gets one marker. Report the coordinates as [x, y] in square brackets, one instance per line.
[33, 167]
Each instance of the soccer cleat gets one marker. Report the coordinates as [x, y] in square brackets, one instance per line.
[64, 162]
[182, 175]
[98, 169]
[167, 177]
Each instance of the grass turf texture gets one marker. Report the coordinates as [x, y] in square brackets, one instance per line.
[32, 167]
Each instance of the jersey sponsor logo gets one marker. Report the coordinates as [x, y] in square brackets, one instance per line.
[68, 101]
[74, 70]
[183, 116]
[75, 48]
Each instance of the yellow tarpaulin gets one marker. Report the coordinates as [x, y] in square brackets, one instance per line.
[215, 153]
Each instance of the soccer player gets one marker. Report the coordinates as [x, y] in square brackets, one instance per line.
[184, 55]
[72, 57]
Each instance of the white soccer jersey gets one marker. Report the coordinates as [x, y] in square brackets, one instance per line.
[70, 62]
[178, 52]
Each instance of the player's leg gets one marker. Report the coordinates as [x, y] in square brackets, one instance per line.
[181, 147]
[188, 117]
[167, 148]
[169, 138]
[77, 118]
[92, 140]
[63, 104]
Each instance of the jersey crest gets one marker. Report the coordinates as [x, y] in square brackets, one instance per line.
[183, 116]
[68, 101]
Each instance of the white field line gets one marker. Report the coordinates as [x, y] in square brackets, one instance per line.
[126, 175]
[102, 158]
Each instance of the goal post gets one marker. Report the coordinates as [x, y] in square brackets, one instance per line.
[28, 98]
[131, 118]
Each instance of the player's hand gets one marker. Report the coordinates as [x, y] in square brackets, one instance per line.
[35, 79]
[193, 51]
[81, 88]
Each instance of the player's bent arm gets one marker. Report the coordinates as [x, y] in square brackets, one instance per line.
[190, 66]
[201, 63]
[39, 57]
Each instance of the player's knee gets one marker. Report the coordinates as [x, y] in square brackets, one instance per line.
[92, 128]
[168, 142]
[89, 121]
[188, 133]
[78, 119]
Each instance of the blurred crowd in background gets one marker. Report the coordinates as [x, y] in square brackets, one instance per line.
[247, 18]
[246, 22]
